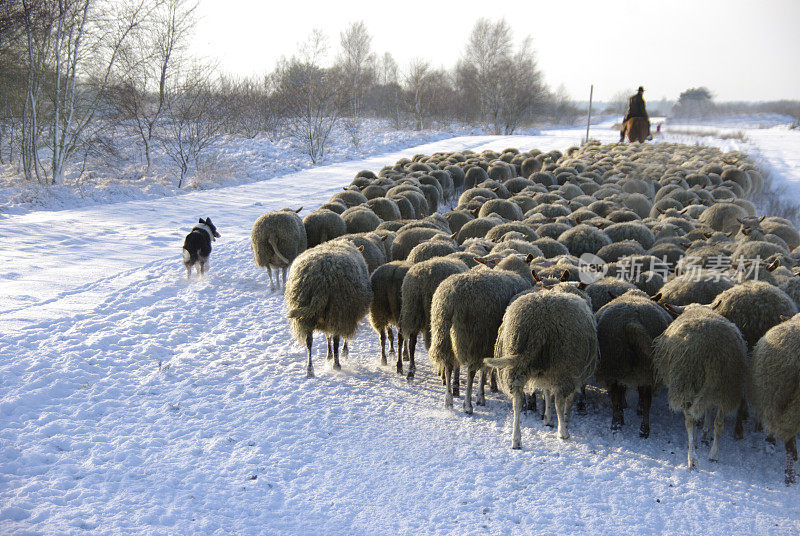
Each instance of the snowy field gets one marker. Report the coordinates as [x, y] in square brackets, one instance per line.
[135, 402]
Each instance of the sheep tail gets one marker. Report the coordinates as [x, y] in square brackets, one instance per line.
[317, 301]
[500, 362]
[275, 249]
[639, 339]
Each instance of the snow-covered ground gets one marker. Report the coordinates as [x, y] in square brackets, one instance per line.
[135, 402]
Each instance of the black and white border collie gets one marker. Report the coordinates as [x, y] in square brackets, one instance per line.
[197, 246]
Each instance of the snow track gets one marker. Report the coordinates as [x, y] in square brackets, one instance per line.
[161, 406]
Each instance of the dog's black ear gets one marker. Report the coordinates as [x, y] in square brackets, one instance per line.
[200, 220]
[208, 221]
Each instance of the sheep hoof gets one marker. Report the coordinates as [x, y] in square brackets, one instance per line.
[713, 457]
[411, 371]
[516, 445]
[549, 424]
[384, 362]
[616, 426]
[692, 464]
[769, 448]
[399, 368]
[337, 366]
[644, 431]
[309, 372]
[480, 401]
[790, 478]
[580, 408]
[738, 433]
[705, 441]
[563, 435]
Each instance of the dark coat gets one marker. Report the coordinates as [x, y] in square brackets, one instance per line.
[636, 107]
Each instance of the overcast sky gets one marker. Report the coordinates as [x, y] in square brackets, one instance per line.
[741, 50]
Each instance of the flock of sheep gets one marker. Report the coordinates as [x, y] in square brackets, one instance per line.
[699, 295]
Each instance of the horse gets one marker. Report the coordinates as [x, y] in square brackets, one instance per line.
[637, 129]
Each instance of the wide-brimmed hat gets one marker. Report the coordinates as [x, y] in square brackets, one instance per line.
[641, 89]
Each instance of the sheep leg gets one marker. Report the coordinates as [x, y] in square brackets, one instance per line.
[336, 365]
[412, 365]
[412, 347]
[448, 396]
[383, 347]
[791, 457]
[580, 406]
[493, 382]
[719, 421]
[516, 434]
[345, 349]
[271, 282]
[285, 269]
[530, 402]
[741, 416]
[645, 401]
[456, 380]
[329, 355]
[480, 400]
[309, 366]
[705, 438]
[468, 396]
[548, 407]
[617, 394]
[390, 333]
[688, 420]
[561, 412]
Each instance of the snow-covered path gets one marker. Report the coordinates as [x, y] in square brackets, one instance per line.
[135, 402]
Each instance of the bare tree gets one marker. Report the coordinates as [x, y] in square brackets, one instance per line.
[192, 123]
[149, 62]
[73, 49]
[356, 64]
[421, 88]
[311, 96]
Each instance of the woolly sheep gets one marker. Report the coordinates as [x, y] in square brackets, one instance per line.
[276, 240]
[701, 359]
[505, 209]
[438, 247]
[583, 239]
[417, 291]
[323, 225]
[547, 339]
[775, 369]
[328, 290]
[384, 311]
[466, 312]
[626, 327]
[360, 219]
[408, 238]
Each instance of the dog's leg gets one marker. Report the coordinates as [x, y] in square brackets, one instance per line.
[188, 270]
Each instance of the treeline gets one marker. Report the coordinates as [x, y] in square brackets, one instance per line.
[76, 73]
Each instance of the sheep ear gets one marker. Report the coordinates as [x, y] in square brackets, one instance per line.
[360, 248]
[600, 225]
[529, 258]
[453, 236]
[659, 210]
[582, 286]
[536, 276]
[479, 260]
[740, 221]
[762, 219]
[298, 210]
[498, 362]
[564, 276]
[774, 266]
[785, 318]
[656, 297]
[708, 235]
[384, 237]
[344, 188]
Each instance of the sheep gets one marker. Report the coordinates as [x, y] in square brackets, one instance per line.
[386, 209]
[417, 291]
[505, 209]
[754, 307]
[373, 253]
[323, 225]
[466, 312]
[328, 290]
[626, 327]
[547, 339]
[775, 369]
[700, 287]
[360, 219]
[582, 239]
[701, 359]
[723, 217]
[384, 311]
[276, 240]
[438, 247]
[408, 238]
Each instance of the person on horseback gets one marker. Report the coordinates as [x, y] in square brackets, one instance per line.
[636, 108]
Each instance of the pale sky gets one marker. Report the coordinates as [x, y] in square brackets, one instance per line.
[739, 49]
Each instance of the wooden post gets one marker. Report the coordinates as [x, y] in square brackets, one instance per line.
[589, 120]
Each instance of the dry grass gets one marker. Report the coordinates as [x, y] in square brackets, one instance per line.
[707, 132]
